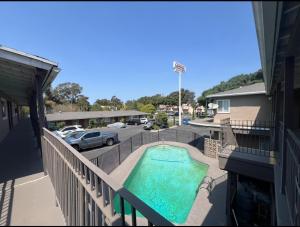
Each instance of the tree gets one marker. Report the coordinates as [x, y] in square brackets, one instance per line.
[187, 97]
[139, 106]
[116, 102]
[161, 118]
[103, 102]
[131, 105]
[149, 108]
[67, 92]
[83, 103]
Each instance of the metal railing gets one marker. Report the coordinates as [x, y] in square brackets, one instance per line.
[85, 193]
[252, 137]
[111, 159]
[292, 182]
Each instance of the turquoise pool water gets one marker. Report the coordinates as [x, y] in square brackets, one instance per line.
[166, 178]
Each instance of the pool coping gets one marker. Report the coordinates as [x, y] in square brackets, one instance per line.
[201, 205]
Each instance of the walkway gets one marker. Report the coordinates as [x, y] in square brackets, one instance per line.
[26, 195]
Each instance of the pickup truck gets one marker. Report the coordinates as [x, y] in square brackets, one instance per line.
[91, 139]
[134, 121]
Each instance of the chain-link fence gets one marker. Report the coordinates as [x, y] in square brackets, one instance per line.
[114, 157]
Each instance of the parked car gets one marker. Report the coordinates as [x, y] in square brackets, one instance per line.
[91, 139]
[185, 121]
[149, 125]
[117, 125]
[164, 125]
[171, 114]
[68, 129]
[134, 121]
[143, 120]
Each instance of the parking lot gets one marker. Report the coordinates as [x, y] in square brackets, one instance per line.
[126, 133]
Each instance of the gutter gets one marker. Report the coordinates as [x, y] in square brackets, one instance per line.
[237, 94]
[50, 76]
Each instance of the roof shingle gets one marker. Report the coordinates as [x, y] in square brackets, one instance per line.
[253, 89]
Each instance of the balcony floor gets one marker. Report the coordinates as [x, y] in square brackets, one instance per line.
[26, 195]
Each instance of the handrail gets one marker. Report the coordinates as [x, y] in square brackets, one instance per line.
[86, 162]
[294, 137]
[75, 178]
[234, 217]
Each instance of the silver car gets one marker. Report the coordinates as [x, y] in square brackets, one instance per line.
[91, 139]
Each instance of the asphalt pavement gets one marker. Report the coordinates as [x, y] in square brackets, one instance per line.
[129, 131]
[123, 133]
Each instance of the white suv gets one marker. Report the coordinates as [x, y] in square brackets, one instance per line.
[69, 129]
[144, 120]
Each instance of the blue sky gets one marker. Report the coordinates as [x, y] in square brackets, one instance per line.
[127, 49]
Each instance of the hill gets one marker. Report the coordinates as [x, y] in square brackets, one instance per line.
[232, 83]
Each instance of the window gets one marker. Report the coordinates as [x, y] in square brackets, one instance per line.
[92, 135]
[223, 106]
[3, 109]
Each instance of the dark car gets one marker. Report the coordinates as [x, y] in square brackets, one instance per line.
[134, 121]
[185, 121]
[91, 139]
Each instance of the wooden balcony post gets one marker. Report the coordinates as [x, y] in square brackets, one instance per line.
[40, 99]
[34, 119]
[289, 68]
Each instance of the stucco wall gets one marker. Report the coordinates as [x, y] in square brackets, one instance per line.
[4, 126]
[251, 107]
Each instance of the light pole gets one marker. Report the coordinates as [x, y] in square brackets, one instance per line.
[179, 68]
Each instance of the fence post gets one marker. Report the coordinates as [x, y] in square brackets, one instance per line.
[119, 152]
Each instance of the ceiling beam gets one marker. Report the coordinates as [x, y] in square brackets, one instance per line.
[17, 69]
[292, 8]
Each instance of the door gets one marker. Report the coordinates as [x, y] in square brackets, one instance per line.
[91, 139]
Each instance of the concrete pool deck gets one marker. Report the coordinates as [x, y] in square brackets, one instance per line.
[207, 205]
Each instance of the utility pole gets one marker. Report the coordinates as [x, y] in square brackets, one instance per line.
[179, 68]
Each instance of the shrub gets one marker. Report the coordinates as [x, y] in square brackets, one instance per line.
[156, 127]
[61, 124]
[92, 123]
[161, 118]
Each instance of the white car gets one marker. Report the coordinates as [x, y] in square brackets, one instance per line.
[69, 129]
[117, 125]
[144, 120]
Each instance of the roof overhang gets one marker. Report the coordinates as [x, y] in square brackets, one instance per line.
[68, 116]
[278, 34]
[18, 71]
[238, 94]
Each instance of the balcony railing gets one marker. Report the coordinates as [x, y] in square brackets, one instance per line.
[252, 137]
[292, 181]
[85, 193]
[111, 159]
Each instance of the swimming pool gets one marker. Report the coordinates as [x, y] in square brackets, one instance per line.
[167, 179]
